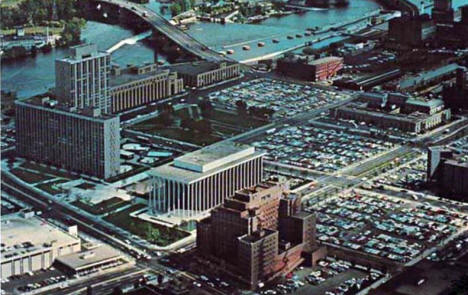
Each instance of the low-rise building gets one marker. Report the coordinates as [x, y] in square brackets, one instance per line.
[30, 243]
[395, 111]
[204, 73]
[135, 86]
[93, 258]
[81, 140]
[308, 69]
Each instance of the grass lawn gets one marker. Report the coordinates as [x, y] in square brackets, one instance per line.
[29, 176]
[9, 3]
[153, 233]
[51, 188]
[243, 121]
[231, 123]
[102, 207]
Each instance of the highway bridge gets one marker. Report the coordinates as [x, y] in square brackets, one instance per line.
[163, 26]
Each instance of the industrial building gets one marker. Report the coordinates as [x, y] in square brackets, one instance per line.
[448, 170]
[135, 86]
[205, 73]
[309, 69]
[395, 111]
[455, 95]
[453, 34]
[259, 233]
[82, 79]
[30, 243]
[85, 141]
[423, 79]
[443, 11]
[409, 31]
[202, 180]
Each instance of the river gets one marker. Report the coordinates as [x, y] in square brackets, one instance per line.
[36, 75]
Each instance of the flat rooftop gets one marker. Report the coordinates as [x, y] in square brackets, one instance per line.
[128, 77]
[82, 260]
[195, 68]
[213, 156]
[325, 60]
[206, 161]
[50, 104]
[24, 236]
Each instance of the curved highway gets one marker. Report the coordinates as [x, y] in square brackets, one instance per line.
[162, 25]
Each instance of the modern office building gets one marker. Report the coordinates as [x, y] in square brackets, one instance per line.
[259, 233]
[82, 79]
[85, 141]
[30, 243]
[204, 73]
[310, 69]
[202, 180]
[395, 111]
[135, 86]
[448, 170]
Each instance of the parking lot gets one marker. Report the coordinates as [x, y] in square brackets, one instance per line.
[325, 150]
[382, 226]
[410, 176]
[285, 98]
[331, 277]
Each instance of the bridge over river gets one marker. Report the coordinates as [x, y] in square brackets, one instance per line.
[163, 26]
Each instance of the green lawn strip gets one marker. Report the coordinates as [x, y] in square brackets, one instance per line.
[50, 186]
[46, 170]
[153, 233]
[29, 177]
[106, 206]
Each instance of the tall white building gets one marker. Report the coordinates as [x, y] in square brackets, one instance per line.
[82, 79]
[202, 180]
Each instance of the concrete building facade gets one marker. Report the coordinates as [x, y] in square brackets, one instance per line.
[202, 180]
[82, 79]
[83, 141]
[133, 87]
[203, 73]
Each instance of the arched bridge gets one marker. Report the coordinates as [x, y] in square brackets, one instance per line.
[163, 26]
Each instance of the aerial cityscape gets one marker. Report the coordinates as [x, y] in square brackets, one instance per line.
[245, 147]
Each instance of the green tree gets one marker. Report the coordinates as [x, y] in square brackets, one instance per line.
[176, 9]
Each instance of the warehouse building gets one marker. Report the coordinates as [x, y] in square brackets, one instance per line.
[204, 73]
[202, 180]
[30, 243]
[81, 140]
[306, 68]
[135, 86]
